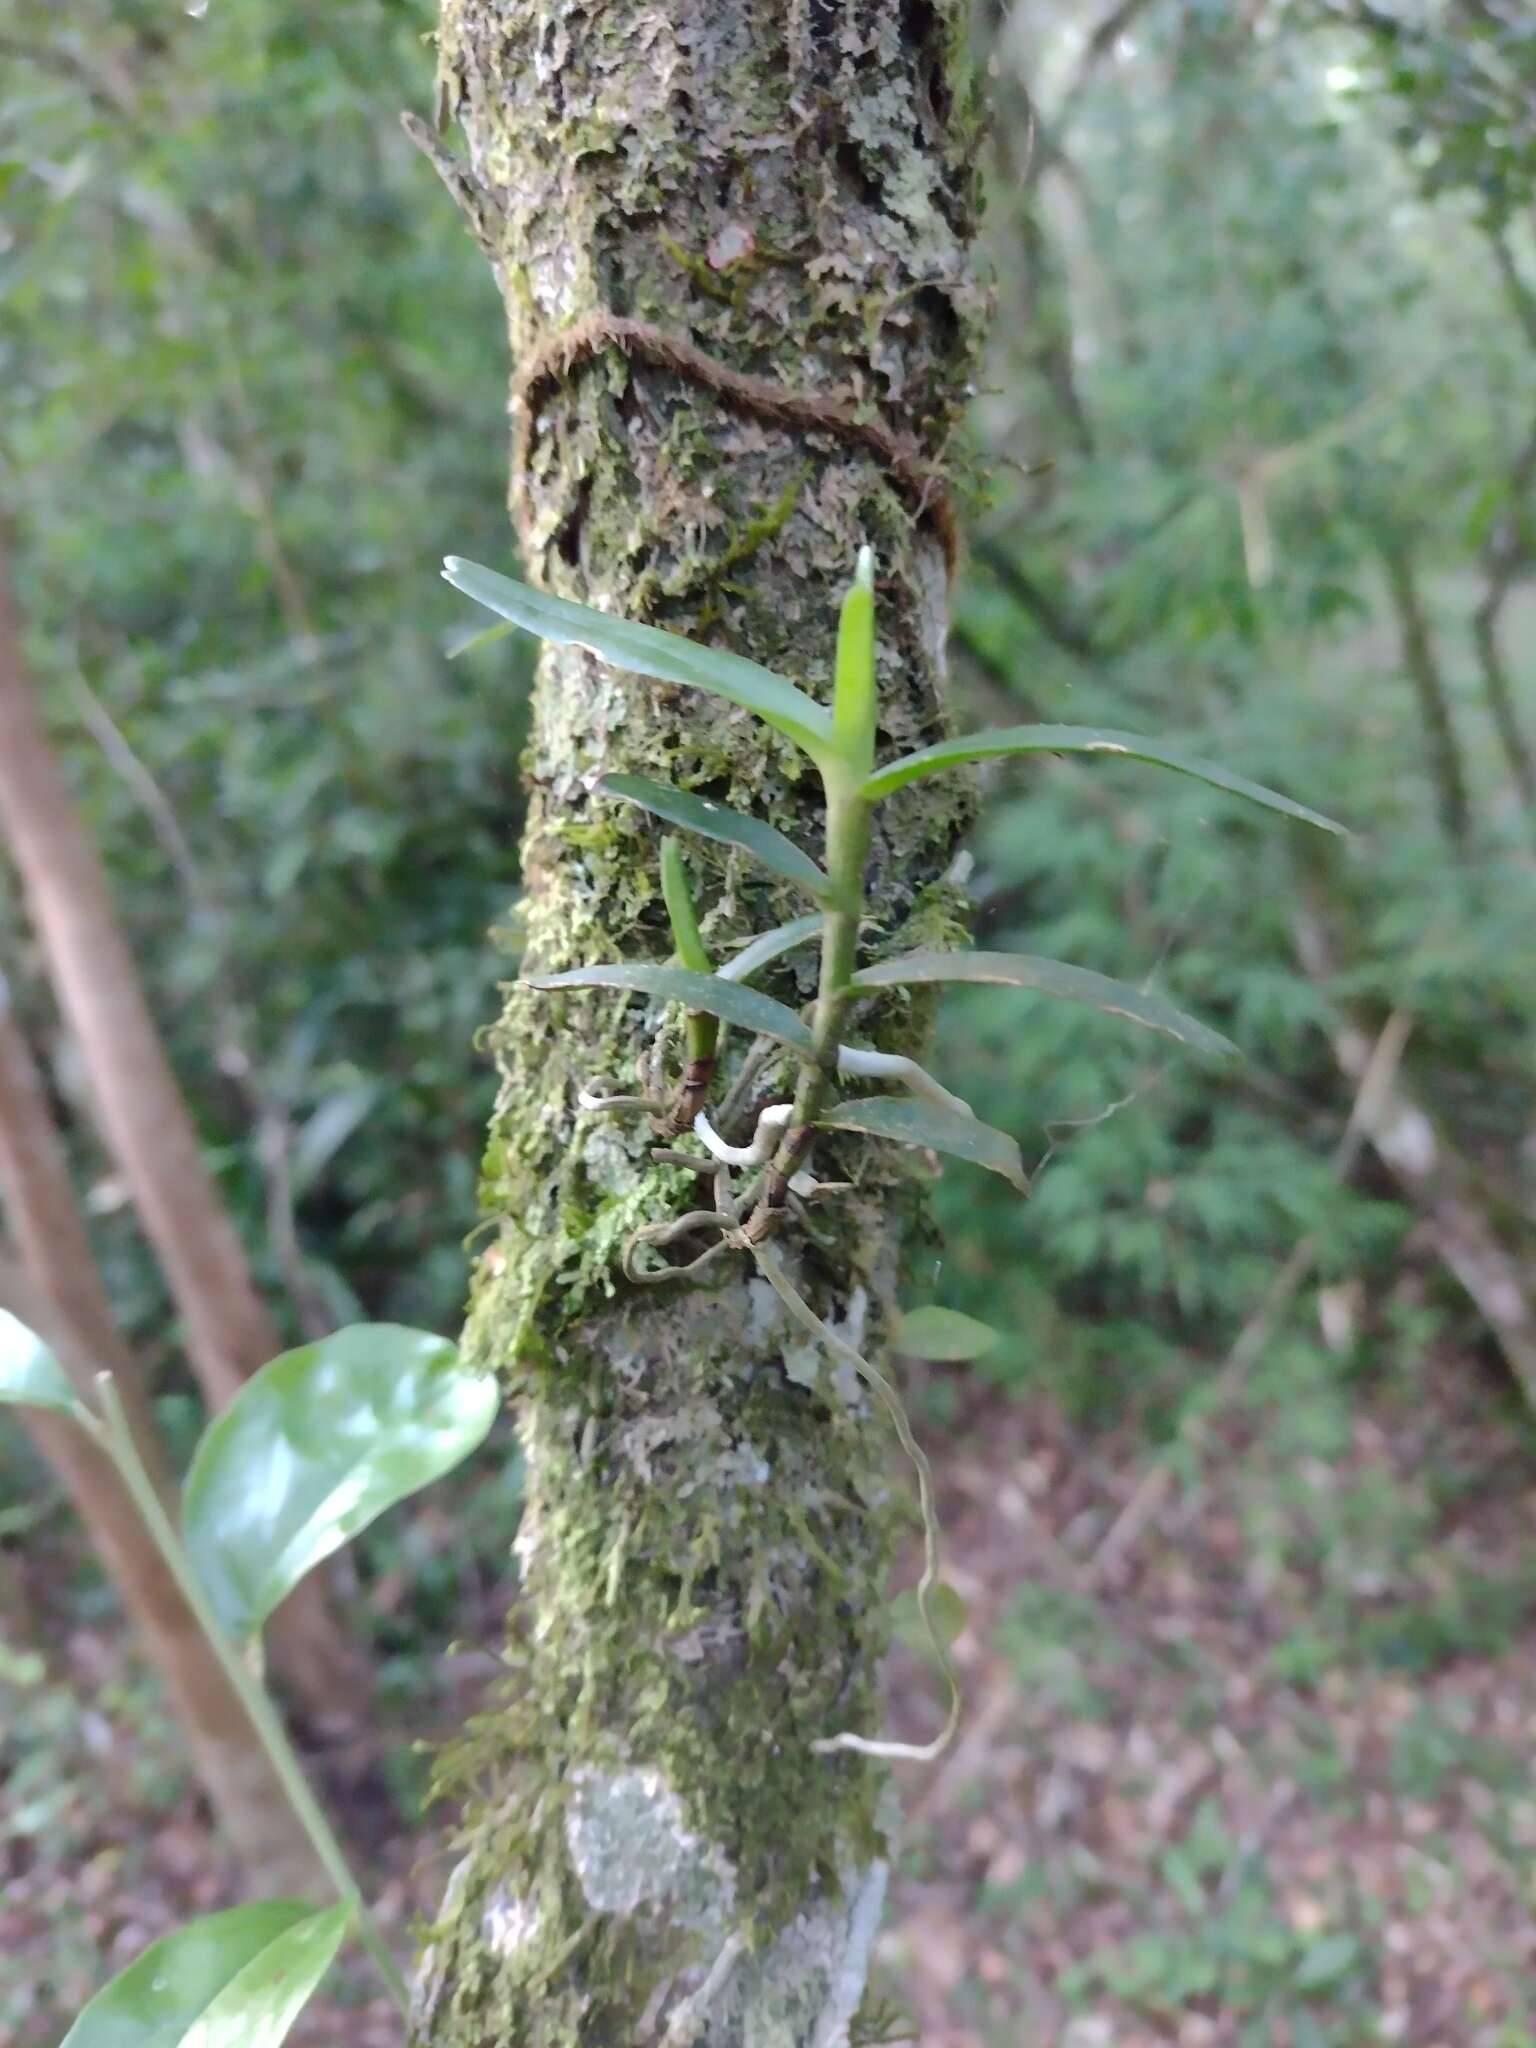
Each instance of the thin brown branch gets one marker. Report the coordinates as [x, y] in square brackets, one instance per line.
[1098, 46]
[1464, 1229]
[1442, 749]
[1507, 551]
[1053, 617]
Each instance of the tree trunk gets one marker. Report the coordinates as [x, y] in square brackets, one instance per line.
[273, 1852]
[146, 1123]
[776, 202]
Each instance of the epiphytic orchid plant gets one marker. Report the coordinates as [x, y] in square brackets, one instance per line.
[765, 1176]
[841, 745]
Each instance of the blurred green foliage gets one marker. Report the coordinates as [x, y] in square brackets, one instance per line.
[254, 392]
[1264, 353]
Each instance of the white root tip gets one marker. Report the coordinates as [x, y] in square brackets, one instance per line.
[764, 1138]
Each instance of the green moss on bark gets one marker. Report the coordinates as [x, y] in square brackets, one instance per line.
[709, 1523]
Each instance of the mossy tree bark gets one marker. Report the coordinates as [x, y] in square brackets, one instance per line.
[652, 1850]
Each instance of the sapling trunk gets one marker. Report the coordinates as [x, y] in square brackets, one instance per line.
[145, 1122]
[274, 1855]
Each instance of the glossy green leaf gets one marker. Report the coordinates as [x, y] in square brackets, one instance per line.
[257, 2008]
[769, 946]
[30, 1375]
[943, 1335]
[1080, 739]
[1051, 978]
[681, 915]
[185, 1990]
[908, 1122]
[316, 1447]
[766, 844]
[747, 1007]
[644, 651]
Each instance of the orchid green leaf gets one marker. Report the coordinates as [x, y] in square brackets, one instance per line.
[1051, 978]
[1080, 739]
[854, 705]
[769, 946]
[748, 1008]
[947, 1617]
[764, 842]
[645, 651]
[909, 1122]
[468, 639]
[681, 914]
[943, 1335]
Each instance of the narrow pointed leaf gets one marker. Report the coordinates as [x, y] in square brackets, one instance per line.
[1080, 739]
[30, 1375]
[769, 946]
[159, 2000]
[924, 1124]
[316, 1447]
[1051, 978]
[747, 1007]
[681, 915]
[703, 815]
[942, 1334]
[645, 651]
[854, 707]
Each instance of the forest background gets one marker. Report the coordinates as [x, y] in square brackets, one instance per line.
[1240, 1499]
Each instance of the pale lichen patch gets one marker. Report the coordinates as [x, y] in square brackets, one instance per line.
[510, 1923]
[630, 1848]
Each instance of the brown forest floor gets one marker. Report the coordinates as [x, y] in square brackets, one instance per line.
[1265, 1780]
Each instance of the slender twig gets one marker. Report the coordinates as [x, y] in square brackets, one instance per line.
[1447, 772]
[1507, 551]
[1098, 46]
